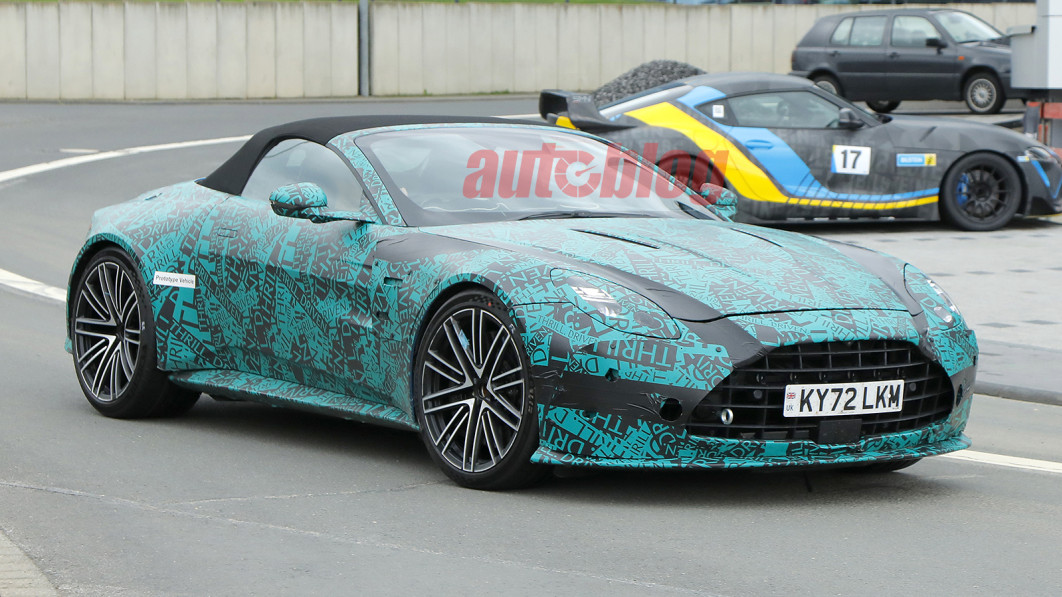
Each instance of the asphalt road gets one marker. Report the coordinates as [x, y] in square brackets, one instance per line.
[237, 499]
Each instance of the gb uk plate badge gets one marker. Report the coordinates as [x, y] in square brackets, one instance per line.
[851, 159]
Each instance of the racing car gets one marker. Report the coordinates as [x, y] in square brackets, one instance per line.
[522, 296]
[792, 151]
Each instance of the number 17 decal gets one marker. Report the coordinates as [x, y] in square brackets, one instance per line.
[850, 159]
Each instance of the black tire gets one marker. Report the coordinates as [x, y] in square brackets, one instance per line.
[829, 83]
[882, 106]
[983, 94]
[460, 376]
[113, 333]
[980, 192]
[690, 171]
[886, 467]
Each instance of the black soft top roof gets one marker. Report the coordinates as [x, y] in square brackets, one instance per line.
[231, 176]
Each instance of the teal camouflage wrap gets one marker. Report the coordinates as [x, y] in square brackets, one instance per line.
[325, 315]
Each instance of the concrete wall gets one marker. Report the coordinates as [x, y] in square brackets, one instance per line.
[429, 48]
[204, 50]
[83, 50]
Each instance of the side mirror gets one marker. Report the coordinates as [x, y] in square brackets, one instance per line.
[724, 201]
[936, 42]
[297, 197]
[307, 201]
[847, 119]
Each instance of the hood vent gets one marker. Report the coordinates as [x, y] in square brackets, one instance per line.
[640, 243]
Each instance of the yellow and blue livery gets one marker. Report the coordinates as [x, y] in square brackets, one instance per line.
[793, 151]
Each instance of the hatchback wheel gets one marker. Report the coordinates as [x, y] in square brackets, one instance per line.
[882, 107]
[828, 83]
[984, 94]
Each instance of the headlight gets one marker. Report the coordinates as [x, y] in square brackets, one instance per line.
[945, 314]
[599, 299]
[1040, 154]
[615, 306]
[931, 296]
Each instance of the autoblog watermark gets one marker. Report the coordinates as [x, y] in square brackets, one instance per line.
[577, 173]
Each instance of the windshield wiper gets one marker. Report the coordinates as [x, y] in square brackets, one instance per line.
[571, 214]
[693, 212]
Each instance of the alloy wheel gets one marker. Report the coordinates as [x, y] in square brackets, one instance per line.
[982, 192]
[473, 390]
[982, 94]
[106, 330]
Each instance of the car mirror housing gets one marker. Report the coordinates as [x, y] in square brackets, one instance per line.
[308, 201]
[847, 119]
[298, 196]
[724, 201]
[935, 42]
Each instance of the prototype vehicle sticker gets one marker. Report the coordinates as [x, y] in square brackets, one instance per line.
[173, 279]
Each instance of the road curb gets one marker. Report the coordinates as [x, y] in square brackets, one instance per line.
[1018, 393]
[19, 576]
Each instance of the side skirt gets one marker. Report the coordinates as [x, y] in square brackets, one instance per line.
[237, 385]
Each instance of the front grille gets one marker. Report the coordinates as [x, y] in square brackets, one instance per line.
[752, 397]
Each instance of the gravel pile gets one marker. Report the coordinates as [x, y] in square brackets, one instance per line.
[645, 76]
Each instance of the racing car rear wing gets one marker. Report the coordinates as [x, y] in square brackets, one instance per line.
[579, 108]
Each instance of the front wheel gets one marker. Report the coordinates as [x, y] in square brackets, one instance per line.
[113, 334]
[981, 192]
[881, 106]
[983, 94]
[473, 395]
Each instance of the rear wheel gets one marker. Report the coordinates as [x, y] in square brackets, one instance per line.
[981, 192]
[113, 336]
[473, 395]
[983, 94]
[882, 107]
[828, 83]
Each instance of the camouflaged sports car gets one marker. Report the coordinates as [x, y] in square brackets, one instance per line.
[792, 151]
[521, 295]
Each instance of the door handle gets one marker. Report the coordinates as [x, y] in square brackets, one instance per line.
[894, 54]
[758, 144]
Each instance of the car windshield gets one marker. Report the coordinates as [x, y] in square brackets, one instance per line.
[963, 27]
[454, 175]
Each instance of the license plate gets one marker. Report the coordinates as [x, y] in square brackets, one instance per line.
[835, 399]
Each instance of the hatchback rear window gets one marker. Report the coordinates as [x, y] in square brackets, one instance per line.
[840, 35]
[859, 31]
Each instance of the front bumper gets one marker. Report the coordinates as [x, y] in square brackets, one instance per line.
[638, 443]
[626, 402]
[1044, 181]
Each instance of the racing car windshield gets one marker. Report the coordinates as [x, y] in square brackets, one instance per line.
[965, 28]
[455, 175]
